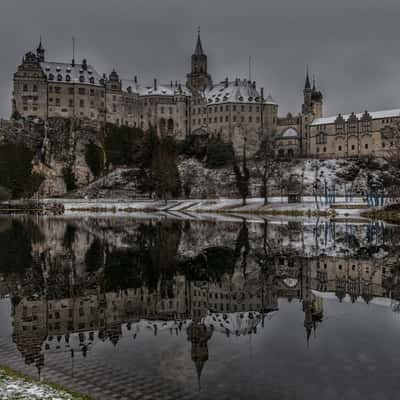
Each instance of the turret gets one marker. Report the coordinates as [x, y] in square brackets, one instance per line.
[198, 79]
[313, 99]
[40, 52]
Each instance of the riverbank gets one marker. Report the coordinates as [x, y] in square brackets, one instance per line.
[14, 385]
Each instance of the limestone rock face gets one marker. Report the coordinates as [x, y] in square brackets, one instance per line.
[58, 145]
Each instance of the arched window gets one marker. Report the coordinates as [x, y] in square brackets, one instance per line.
[162, 126]
[59, 77]
[68, 78]
[170, 126]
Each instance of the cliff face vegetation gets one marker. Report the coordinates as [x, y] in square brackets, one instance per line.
[47, 158]
[83, 159]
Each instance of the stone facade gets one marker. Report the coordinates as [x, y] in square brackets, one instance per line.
[234, 110]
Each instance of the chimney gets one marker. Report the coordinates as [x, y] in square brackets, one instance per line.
[155, 84]
[262, 94]
[84, 64]
[135, 79]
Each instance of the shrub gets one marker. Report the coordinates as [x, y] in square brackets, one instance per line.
[123, 145]
[219, 154]
[69, 178]
[94, 157]
[16, 174]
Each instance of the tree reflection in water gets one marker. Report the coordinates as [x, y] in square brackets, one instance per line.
[75, 283]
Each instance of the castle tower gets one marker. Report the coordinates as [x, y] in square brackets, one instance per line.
[198, 79]
[313, 99]
[40, 52]
[306, 108]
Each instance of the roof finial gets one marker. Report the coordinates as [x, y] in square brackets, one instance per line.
[199, 48]
[307, 85]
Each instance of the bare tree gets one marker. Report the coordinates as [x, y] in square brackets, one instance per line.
[267, 165]
[242, 176]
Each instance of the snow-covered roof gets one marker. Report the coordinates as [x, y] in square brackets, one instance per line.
[163, 90]
[66, 73]
[237, 91]
[374, 115]
[289, 133]
[270, 100]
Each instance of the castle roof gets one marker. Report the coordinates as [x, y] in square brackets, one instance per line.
[374, 115]
[237, 91]
[68, 73]
[289, 133]
[163, 90]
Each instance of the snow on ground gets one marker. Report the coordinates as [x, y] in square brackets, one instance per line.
[196, 206]
[18, 388]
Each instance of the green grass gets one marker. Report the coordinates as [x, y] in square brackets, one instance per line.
[12, 376]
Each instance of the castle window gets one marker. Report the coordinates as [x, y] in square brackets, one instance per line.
[92, 92]
[242, 107]
[81, 91]
[67, 78]
[234, 108]
[25, 88]
[258, 119]
[242, 119]
[71, 103]
[57, 89]
[71, 90]
[321, 138]
[59, 77]
[221, 109]
[51, 77]
[250, 107]
[221, 119]
[250, 119]
[234, 118]
[353, 147]
[366, 145]
[82, 103]
[226, 108]
[226, 118]
[81, 79]
[339, 148]
[57, 102]
[91, 80]
[34, 89]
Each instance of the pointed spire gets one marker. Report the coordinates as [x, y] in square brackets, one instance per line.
[307, 85]
[40, 47]
[199, 48]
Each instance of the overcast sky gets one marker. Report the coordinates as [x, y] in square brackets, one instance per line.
[352, 46]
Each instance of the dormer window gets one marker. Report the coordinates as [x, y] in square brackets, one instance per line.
[67, 78]
[91, 80]
[59, 77]
[69, 70]
[58, 69]
[51, 77]
[81, 78]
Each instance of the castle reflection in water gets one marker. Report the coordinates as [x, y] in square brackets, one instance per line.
[75, 283]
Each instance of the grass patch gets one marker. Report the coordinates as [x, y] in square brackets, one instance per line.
[8, 374]
[383, 215]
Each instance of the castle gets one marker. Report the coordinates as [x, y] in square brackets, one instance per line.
[234, 110]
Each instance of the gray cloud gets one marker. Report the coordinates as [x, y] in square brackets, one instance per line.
[350, 45]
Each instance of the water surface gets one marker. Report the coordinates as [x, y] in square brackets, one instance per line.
[169, 308]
